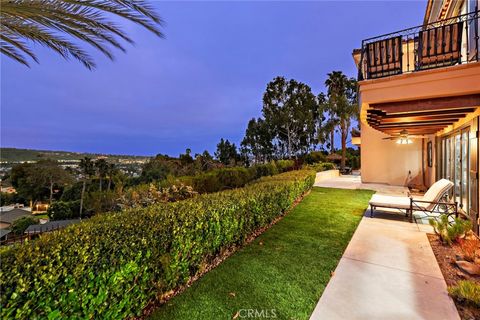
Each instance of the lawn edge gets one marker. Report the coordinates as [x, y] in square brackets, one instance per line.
[224, 255]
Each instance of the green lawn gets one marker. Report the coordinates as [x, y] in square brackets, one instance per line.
[286, 268]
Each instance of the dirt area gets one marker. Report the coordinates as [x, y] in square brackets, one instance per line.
[446, 257]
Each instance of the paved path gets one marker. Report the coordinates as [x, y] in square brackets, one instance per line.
[387, 272]
[354, 182]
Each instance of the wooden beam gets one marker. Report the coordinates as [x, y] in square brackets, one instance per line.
[415, 124]
[420, 119]
[428, 112]
[444, 103]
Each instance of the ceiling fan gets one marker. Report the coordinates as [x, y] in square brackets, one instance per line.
[403, 137]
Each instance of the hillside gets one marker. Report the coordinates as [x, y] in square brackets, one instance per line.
[15, 155]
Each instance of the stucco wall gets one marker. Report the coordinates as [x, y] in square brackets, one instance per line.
[385, 161]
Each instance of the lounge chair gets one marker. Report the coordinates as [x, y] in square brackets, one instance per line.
[431, 202]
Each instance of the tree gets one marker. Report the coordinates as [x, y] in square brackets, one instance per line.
[291, 110]
[19, 226]
[35, 180]
[157, 168]
[205, 161]
[342, 106]
[258, 141]
[111, 172]
[102, 167]
[226, 152]
[43, 22]
[186, 158]
[87, 168]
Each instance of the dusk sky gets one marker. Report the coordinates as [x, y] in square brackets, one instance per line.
[204, 81]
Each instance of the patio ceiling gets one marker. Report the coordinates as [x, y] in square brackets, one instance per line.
[419, 117]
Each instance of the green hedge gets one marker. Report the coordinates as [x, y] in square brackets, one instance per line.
[223, 178]
[112, 265]
[320, 166]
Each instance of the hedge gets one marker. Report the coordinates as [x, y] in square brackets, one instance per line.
[112, 265]
[320, 166]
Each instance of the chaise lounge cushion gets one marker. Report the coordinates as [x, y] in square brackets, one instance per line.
[384, 201]
[437, 189]
[433, 194]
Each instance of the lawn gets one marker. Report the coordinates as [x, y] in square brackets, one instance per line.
[285, 269]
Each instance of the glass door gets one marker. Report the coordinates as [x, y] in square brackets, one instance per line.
[465, 159]
[455, 166]
[457, 174]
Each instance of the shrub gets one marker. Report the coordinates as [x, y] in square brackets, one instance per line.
[315, 157]
[212, 181]
[63, 210]
[19, 226]
[284, 165]
[112, 265]
[320, 166]
[447, 232]
[143, 196]
[467, 292]
[11, 198]
[264, 169]
[329, 166]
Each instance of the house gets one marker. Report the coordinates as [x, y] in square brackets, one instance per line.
[4, 233]
[50, 226]
[8, 217]
[419, 98]
[9, 190]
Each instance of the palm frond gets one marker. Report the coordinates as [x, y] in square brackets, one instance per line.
[57, 23]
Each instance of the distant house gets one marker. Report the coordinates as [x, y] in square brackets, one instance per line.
[50, 226]
[8, 190]
[4, 233]
[40, 207]
[8, 217]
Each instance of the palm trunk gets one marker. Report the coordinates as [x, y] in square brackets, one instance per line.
[109, 183]
[51, 191]
[81, 197]
[100, 184]
[344, 143]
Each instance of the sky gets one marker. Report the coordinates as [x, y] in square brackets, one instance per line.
[203, 82]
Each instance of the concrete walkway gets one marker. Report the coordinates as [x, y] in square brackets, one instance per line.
[387, 272]
[354, 182]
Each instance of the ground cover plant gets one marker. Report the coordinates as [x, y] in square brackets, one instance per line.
[112, 265]
[282, 272]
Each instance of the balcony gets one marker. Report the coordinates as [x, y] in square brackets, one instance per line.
[444, 43]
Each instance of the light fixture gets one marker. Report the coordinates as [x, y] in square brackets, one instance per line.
[404, 140]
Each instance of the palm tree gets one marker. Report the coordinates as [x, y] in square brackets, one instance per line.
[102, 167]
[45, 21]
[335, 84]
[87, 168]
[341, 106]
[111, 170]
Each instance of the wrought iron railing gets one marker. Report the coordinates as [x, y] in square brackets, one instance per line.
[443, 43]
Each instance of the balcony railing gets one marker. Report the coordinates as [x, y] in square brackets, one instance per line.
[443, 43]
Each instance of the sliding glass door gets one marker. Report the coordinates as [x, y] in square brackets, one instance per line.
[455, 166]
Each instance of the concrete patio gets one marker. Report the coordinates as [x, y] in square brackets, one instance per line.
[388, 270]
